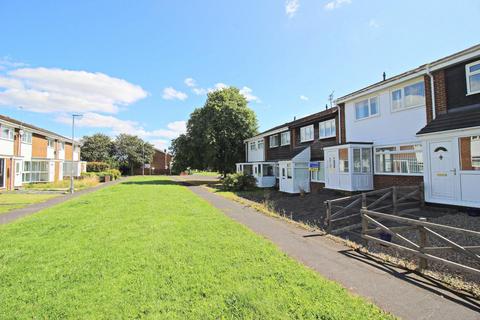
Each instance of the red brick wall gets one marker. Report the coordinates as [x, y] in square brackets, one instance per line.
[341, 111]
[386, 181]
[440, 94]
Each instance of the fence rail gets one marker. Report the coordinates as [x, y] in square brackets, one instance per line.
[425, 232]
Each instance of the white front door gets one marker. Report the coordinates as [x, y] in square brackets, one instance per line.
[286, 176]
[332, 177]
[17, 181]
[442, 170]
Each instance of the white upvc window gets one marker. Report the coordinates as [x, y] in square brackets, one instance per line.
[472, 72]
[35, 171]
[306, 133]
[410, 96]
[6, 132]
[362, 159]
[27, 137]
[327, 129]
[260, 144]
[51, 143]
[318, 174]
[285, 138]
[62, 146]
[366, 108]
[274, 141]
[253, 146]
[399, 160]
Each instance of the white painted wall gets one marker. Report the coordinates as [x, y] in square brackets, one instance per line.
[6, 147]
[61, 154]
[26, 151]
[256, 155]
[389, 127]
[75, 156]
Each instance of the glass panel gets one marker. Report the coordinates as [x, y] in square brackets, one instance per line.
[414, 95]
[260, 144]
[475, 83]
[285, 138]
[366, 160]
[475, 67]
[361, 109]
[333, 128]
[470, 153]
[373, 106]
[268, 170]
[399, 162]
[397, 99]
[322, 130]
[357, 163]
[289, 170]
[253, 146]
[343, 159]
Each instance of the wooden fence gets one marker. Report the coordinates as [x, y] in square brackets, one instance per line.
[343, 214]
[420, 248]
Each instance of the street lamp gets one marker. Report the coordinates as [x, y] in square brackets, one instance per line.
[73, 148]
[143, 158]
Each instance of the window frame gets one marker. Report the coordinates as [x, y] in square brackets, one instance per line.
[469, 74]
[397, 151]
[11, 132]
[370, 115]
[253, 146]
[260, 144]
[332, 121]
[312, 172]
[53, 143]
[313, 133]
[286, 133]
[270, 138]
[402, 90]
[25, 134]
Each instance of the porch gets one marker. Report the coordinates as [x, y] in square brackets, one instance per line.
[266, 173]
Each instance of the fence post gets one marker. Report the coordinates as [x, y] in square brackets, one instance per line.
[422, 236]
[364, 200]
[394, 199]
[363, 211]
[421, 190]
[328, 210]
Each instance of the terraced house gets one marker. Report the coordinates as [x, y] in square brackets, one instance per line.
[29, 154]
[421, 126]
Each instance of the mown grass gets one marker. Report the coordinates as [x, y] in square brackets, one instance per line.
[151, 248]
[78, 184]
[11, 201]
[205, 173]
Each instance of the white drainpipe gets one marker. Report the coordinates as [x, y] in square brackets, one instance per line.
[432, 90]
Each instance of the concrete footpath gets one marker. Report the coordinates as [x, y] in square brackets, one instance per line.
[34, 208]
[398, 291]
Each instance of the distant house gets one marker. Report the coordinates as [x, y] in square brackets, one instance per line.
[31, 154]
[161, 164]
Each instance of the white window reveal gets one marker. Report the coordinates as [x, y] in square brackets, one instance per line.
[6, 132]
[362, 160]
[306, 133]
[366, 108]
[285, 138]
[253, 146]
[400, 159]
[328, 129]
[274, 141]
[317, 171]
[409, 96]
[472, 72]
[27, 137]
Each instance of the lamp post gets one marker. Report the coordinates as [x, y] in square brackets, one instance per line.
[73, 148]
[143, 158]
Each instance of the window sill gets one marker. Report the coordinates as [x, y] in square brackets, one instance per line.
[283, 145]
[369, 117]
[472, 93]
[407, 108]
[398, 174]
[327, 137]
[6, 139]
[302, 141]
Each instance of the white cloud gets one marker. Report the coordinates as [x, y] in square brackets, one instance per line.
[171, 94]
[247, 93]
[160, 144]
[8, 63]
[190, 82]
[373, 24]
[199, 91]
[291, 7]
[335, 4]
[304, 98]
[217, 86]
[58, 90]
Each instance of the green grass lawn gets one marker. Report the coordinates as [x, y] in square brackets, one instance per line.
[206, 173]
[78, 184]
[151, 248]
[10, 201]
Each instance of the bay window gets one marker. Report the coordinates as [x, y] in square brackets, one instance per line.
[410, 96]
[306, 133]
[366, 108]
[327, 129]
[472, 72]
[343, 160]
[274, 141]
[470, 153]
[35, 171]
[285, 138]
[400, 159]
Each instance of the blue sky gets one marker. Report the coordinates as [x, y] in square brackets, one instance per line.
[124, 64]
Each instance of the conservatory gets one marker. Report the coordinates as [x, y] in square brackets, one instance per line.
[264, 172]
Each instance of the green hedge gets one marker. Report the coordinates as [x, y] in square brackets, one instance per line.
[112, 173]
[239, 182]
[97, 166]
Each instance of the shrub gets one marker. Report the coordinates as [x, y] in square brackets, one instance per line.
[239, 182]
[97, 166]
[114, 173]
[89, 174]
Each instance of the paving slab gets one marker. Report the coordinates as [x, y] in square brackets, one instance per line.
[401, 292]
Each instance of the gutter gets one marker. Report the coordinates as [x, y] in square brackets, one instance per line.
[432, 90]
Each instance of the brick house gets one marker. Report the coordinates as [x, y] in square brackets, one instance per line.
[30, 154]
[161, 164]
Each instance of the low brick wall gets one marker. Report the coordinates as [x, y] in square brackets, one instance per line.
[386, 181]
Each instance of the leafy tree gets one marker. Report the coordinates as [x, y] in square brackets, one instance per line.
[215, 133]
[131, 151]
[97, 148]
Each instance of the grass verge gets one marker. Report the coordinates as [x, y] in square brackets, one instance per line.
[79, 184]
[151, 248]
[11, 201]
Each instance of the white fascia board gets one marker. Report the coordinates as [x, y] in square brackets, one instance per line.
[269, 133]
[450, 133]
[29, 129]
[443, 63]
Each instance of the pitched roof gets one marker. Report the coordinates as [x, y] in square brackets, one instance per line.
[314, 117]
[462, 118]
[31, 126]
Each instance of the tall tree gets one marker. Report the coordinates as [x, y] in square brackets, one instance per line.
[215, 132]
[98, 147]
[131, 151]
